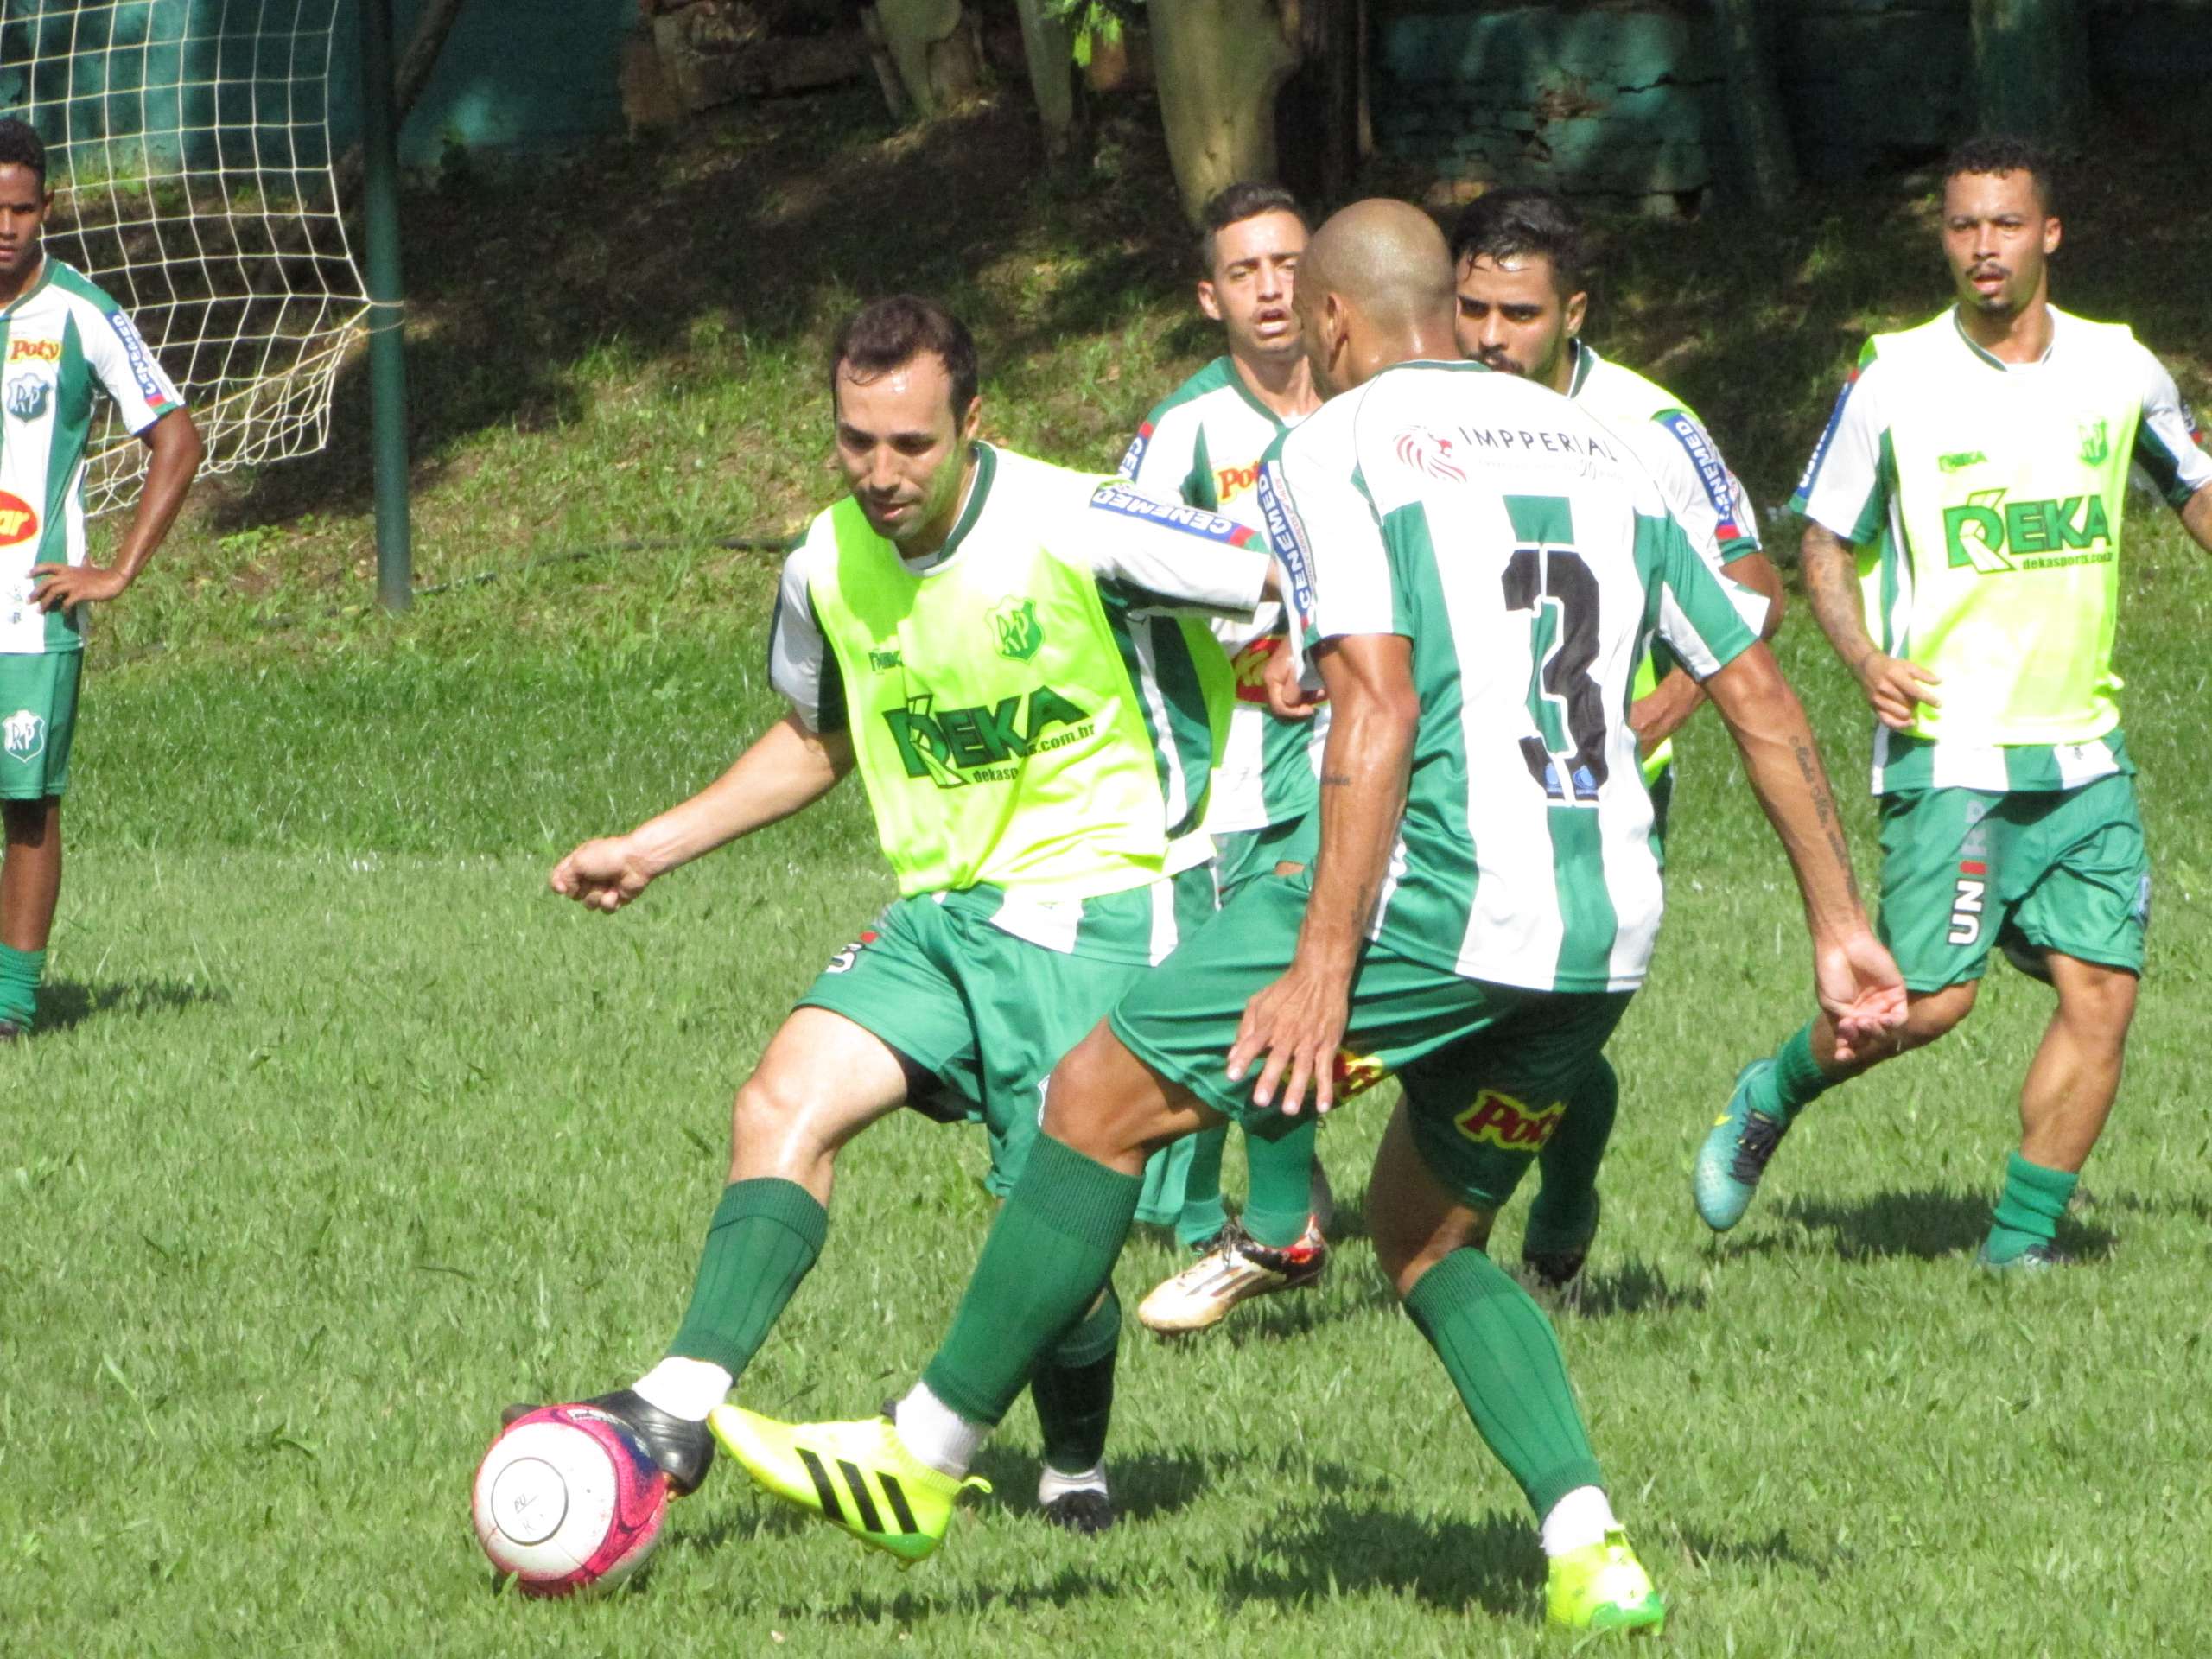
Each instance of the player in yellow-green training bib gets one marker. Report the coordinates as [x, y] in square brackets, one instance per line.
[1015, 659]
[64, 346]
[1962, 553]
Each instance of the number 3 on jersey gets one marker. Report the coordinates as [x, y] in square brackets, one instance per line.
[1565, 754]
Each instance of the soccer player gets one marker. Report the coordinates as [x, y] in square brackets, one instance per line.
[61, 340]
[1522, 272]
[1203, 442]
[1479, 562]
[1980, 464]
[982, 638]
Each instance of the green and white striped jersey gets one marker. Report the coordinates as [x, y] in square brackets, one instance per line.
[59, 342]
[1704, 495]
[1203, 442]
[1987, 499]
[1531, 560]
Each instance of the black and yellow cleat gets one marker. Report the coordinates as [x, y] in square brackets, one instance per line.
[859, 1476]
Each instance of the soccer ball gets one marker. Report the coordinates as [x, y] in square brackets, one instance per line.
[569, 1502]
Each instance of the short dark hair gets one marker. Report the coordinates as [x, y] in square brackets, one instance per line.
[1513, 223]
[2004, 153]
[888, 334]
[21, 146]
[1235, 203]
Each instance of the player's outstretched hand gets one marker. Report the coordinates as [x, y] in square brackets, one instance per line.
[1287, 695]
[1293, 1028]
[1896, 688]
[1860, 987]
[603, 874]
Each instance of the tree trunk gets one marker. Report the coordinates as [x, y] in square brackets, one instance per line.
[2030, 68]
[1219, 65]
[1048, 47]
[1745, 29]
[934, 44]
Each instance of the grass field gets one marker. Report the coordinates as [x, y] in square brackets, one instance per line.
[341, 1131]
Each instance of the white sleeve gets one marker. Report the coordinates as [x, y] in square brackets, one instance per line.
[124, 366]
[1163, 454]
[800, 665]
[1168, 556]
[1843, 489]
[1328, 541]
[1717, 510]
[2169, 447]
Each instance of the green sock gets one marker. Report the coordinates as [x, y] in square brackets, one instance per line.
[1506, 1363]
[2027, 1214]
[1073, 1390]
[1566, 1203]
[19, 973]
[761, 1242]
[1049, 1253]
[1796, 1082]
[1280, 1201]
[1204, 1213]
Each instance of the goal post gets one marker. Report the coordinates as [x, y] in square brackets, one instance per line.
[189, 150]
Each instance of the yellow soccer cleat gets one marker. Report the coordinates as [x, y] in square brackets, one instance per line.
[1602, 1586]
[858, 1476]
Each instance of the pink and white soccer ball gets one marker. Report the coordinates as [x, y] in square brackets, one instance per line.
[569, 1502]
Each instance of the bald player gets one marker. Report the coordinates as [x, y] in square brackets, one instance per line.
[1477, 564]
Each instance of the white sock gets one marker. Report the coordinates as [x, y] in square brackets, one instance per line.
[689, 1388]
[1581, 1518]
[937, 1434]
[1052, 1484]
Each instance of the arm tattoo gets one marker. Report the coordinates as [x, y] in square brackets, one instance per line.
[1336, 779]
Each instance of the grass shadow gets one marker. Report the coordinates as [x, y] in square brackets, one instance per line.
[1336, 1548]
[68, 1002]
[1926, 1225]
[1146, 1486]
[1775, 1549]
[1633, 1287]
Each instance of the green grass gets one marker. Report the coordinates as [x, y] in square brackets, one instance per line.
[342, 1131]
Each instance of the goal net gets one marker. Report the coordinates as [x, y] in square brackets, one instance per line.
[188, 146]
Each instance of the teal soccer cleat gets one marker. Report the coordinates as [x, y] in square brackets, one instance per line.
[1735, 1154]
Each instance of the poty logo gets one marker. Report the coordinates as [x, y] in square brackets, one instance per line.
[18, 523]
[1424, 452]
[1505, 1122]
[1249, 665]
[1355, 1074]
[24, 734]
[38, 351]
[1230, 482]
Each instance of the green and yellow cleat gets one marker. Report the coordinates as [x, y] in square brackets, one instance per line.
[858, 1476]
[1602, 1586]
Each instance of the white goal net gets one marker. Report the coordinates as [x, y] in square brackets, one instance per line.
[188, 146]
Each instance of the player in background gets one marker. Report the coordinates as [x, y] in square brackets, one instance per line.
[982, 638]
[62, 340]
[1483, 905]
[1979, 465]
[1521, 271]
[1203, 442]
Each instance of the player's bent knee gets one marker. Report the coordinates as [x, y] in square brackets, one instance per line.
[1107, 1104]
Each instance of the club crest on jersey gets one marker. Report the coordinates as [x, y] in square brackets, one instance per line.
[27, 395]
[1014, 620]
[18, 520]
[1505, 1122]
[1424, 452]
[2096, 443]
[22, 735]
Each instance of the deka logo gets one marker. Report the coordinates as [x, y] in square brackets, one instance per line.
[1994, 535]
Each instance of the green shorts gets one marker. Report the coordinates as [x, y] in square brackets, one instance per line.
[987, 1015]
[1487, 1069]
[38, 718]
[1243, 854]
[2047, 870]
